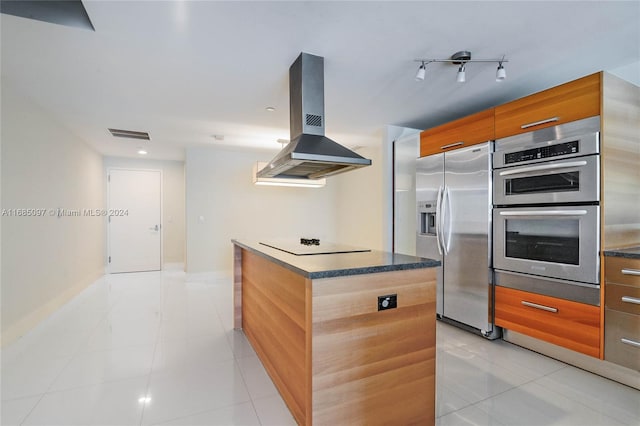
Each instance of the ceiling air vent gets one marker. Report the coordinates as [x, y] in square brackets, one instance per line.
[130, 134]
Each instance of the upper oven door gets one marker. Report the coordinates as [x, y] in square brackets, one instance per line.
[560, 181]
[556, 242]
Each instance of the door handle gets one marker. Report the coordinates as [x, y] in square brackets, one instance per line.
[447, 239]
[630, 342]
[438, 219]
[451, 145]
[537, 123]
[635, 272]
[545, 213]
[155, 228]
[629, 299]
[537, 306]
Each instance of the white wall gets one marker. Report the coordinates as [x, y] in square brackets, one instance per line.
[223, 203]
[360, 203]
[407, 149]
[173, 201]
[629, 72]
[45, 260]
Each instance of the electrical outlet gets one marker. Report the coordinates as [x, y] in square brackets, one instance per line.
[390, 301]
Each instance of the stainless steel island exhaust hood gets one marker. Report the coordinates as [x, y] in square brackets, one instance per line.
[310, 154]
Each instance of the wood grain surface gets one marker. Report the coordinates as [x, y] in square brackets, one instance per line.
[575, 326]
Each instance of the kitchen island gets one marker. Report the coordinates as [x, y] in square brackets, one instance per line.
[347, 338]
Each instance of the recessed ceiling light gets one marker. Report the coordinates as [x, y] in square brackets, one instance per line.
[270, 109]
[142, 152]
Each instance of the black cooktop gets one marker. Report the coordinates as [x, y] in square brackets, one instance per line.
[312, 246]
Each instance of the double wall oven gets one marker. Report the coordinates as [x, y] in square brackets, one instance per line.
[546, 216]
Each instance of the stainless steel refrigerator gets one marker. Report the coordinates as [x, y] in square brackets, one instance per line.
[453, 196]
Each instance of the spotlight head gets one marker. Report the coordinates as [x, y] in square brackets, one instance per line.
[461, 78]
[501, 73]
[421, 72]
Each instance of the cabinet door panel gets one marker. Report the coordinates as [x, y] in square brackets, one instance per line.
[619, 270]
[622, 339]
[573, 325]
[471, 130]
[561, 104]
[623, 298]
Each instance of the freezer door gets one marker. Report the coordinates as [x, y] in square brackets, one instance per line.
[429, 183]
[429, 177]
[426, 246]
[466, 224]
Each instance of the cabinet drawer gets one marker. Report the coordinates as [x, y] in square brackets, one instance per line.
[620, 270]
[561, 104]
[622, 298]
[622, 339]
[573, 325]
[471, 130]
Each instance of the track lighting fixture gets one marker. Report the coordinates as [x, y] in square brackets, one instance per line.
[461, 58]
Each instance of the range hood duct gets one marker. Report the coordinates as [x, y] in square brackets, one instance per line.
[310, 154]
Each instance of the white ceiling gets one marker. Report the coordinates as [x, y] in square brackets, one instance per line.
[184, 71]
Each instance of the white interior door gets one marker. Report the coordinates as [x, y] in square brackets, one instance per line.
[134, 220]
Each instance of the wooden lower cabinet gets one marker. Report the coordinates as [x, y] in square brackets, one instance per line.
[622, 338]
[572, 325]
[622, 313]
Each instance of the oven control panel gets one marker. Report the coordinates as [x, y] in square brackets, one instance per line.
[556, 150]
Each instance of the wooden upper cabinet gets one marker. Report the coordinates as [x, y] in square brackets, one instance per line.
[571, 101]
[470, 130]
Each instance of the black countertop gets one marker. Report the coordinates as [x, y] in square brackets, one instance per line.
[629, 253]
[339, 264]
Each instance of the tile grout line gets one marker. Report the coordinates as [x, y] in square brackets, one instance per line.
[576, 400]
[475, 404]
[235, 357]
[153, 359]
[235, 361]
[72, 357]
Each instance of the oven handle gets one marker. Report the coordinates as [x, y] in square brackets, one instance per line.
[543, 167]
[546, 213]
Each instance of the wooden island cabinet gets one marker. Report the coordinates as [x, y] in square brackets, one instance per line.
[335, 357]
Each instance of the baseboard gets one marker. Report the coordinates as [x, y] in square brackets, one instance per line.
[27, 323]
[173, 266]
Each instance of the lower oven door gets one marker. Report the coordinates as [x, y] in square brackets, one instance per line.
[557, 242]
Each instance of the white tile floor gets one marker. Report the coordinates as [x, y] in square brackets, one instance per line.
[151, 348]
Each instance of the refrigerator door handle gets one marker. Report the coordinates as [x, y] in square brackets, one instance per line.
[438, 219]
[446, 239]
